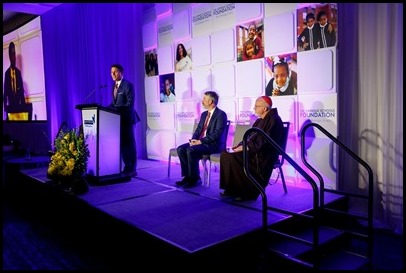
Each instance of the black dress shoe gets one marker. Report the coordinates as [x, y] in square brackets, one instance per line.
[130, 173]
[225, 194]
[192, 183]
[182, 182]
[245, 198]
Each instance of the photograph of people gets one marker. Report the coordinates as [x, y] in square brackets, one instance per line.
[252, 47]
[183, 61]
[151, 63]
[284, 80]
[167, 93]
[249, 49]
[309, 38]
[327, 32]
[14, 102]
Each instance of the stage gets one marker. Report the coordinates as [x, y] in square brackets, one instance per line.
[162, 219]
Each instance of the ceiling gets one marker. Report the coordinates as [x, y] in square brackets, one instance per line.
[17, 14]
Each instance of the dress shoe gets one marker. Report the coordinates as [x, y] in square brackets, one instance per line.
[245, 198]
[225, 194]
[130, 173]
[182, 182]
[192, 183]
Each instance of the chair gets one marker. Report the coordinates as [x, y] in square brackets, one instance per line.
[205, 158]
[240, 129]
[279, 162]
[174, 151]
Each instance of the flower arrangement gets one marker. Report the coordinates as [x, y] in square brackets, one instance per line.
[70, 157]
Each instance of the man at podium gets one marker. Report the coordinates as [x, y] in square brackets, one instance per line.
[123, 103]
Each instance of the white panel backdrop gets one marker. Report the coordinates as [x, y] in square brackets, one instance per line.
[208, 31]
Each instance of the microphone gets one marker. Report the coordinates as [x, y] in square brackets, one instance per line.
[94, 90]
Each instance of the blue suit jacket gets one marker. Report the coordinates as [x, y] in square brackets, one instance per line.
[124, 103]
[216, 134]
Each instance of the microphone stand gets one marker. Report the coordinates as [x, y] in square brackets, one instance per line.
[94, 90]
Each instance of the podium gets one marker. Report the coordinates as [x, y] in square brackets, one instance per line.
[101, 129]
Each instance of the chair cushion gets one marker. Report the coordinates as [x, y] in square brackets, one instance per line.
[173, 152]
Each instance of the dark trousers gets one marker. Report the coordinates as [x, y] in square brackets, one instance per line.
[128, 148]
[189, 157]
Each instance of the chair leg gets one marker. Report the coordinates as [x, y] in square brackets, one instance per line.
[209, 175]
[205, 172]
[283, 180]
[169, 166]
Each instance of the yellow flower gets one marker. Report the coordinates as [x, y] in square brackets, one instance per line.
[71, 155]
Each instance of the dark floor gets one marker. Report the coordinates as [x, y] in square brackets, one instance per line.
[38, 241]
[39, 234]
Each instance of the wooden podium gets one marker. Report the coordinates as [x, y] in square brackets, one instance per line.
[101, 129]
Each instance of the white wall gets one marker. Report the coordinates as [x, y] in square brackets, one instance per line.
[213, 34]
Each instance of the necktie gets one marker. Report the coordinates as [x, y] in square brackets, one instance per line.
[13, 80]
[115, 90]
[206, 122]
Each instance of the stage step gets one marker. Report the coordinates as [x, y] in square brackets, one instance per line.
[341, 246]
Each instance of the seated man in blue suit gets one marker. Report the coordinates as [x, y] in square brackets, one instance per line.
[209, 137]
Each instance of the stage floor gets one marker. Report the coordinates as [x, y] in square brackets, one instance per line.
[189, 219]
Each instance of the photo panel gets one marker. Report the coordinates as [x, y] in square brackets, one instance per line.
[166, 63]
[202, 20]
[151, 89]
[222, 46]
[202, 82]
[272, 9]
[281, 75]
[229, 106]
[249, 40]
[165, 30]
[167, 88]
[151, 63]
[161, 116]
[223, 80]
[149, 35]
[245, 12]
[183, 85]
[250, 78]
[202, 46]
[317, 26]
[183, 56]
[182, 25]
[280, 34]
[223, 16]
[317, 71]
[159, 143]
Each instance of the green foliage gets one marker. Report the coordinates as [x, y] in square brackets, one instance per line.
[71, 156]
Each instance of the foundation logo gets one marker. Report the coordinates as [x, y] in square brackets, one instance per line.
[318, 113]
[223, 9]
[244, 115]
[90, 122]
[199, 18]
[154, 115]
[185, 115]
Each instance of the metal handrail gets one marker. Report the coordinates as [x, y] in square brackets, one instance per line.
[316, 222]
[322, 189]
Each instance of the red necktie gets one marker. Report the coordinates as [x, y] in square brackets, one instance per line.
[206, 122]
[115, 90]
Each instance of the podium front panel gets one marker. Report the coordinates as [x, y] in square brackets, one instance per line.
[109, 143]
[102, 133]
[89, 123]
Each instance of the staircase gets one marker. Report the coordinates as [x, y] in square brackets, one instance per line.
[326, 237]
